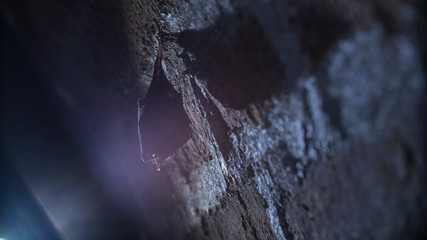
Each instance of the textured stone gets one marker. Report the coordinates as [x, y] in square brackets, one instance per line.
[308, 119]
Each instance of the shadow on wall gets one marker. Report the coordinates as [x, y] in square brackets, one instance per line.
[235, 58]
[318, 30]
[240, 64]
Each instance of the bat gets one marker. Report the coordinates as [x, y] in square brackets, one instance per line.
[163, 124]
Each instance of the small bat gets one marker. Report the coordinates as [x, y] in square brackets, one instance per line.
[163, 124]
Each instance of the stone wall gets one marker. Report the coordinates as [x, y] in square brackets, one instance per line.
[308, 118]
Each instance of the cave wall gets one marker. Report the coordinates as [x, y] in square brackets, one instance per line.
[308, 118]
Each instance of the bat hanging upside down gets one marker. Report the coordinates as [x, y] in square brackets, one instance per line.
[163, 124]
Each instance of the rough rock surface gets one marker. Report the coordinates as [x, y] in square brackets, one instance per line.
[308, 119]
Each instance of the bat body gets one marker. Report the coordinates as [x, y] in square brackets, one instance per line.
[163, 123]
